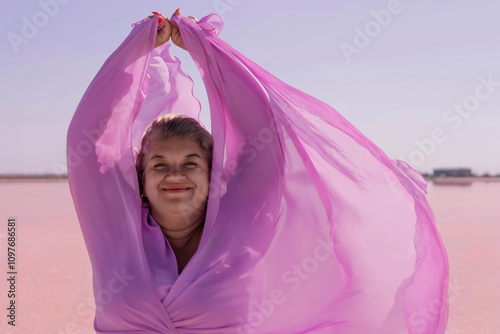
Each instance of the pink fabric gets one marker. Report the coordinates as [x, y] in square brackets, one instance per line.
[310, 227]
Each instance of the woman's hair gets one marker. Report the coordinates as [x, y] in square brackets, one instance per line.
[173, 126]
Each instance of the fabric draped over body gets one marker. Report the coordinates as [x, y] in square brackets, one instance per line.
[310, 227]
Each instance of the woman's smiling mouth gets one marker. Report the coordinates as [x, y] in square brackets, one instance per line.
[177, 189]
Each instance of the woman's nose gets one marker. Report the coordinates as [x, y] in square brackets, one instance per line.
[175, 174]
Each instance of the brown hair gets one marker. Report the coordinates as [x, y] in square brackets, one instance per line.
[173, 126]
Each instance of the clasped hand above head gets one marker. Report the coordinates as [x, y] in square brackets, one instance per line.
[169, 30]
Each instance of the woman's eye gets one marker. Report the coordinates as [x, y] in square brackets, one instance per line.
[159, 165]
[191, 164]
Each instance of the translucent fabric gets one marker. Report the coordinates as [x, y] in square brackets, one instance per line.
[310, 227]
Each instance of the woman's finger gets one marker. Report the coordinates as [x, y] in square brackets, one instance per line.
[162, 17]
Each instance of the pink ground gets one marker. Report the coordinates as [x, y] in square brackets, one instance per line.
[54, 291]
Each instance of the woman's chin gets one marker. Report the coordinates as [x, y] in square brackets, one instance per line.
[176, 207]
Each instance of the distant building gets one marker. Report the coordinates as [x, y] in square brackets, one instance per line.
[453, 172]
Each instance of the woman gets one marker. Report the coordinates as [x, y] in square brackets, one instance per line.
[300, 224]
[173, 168]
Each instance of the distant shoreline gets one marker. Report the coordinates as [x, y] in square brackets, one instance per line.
[9, 178]
[464, 179]
[437, 180]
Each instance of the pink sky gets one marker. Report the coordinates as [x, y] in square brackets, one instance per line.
[411, 75]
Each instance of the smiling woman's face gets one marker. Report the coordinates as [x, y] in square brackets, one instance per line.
[176, 178]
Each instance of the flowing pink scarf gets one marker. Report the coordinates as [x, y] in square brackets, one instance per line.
[310, 227]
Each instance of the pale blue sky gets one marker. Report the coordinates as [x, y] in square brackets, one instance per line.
[398, 87]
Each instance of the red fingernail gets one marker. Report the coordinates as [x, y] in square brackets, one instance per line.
[160, 20]
[155, 13]
[178, 10]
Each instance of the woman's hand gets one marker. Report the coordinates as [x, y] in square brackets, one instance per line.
[170, 30]
[163, 34]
